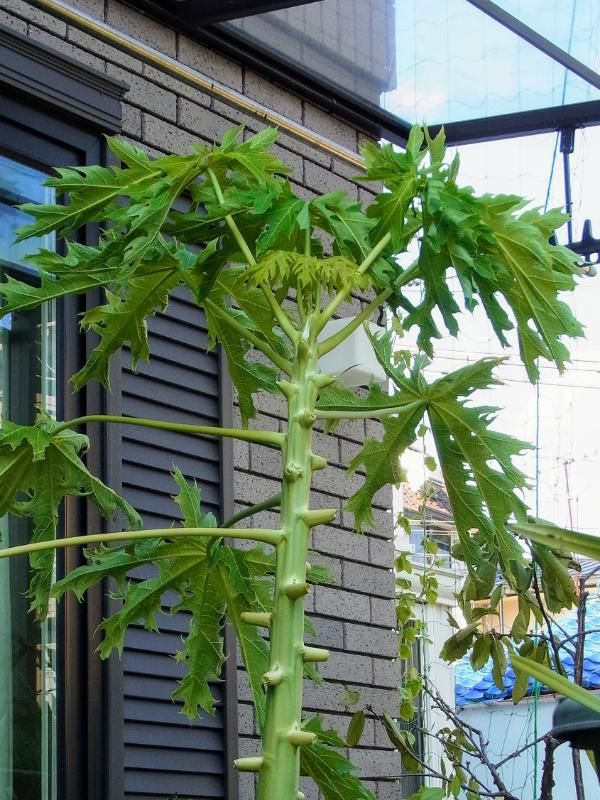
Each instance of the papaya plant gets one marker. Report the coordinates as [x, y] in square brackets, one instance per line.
[270, 270]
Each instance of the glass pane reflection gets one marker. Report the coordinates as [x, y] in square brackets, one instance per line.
[433, 61]
[27, 650]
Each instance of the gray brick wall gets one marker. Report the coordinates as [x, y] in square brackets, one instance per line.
[165, 115]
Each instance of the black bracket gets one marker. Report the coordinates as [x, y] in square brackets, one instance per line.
[588, 248]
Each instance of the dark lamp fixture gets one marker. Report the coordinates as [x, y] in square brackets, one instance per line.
[578, 725]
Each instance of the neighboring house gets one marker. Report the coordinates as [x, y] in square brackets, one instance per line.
[70, 726]
[508, 727]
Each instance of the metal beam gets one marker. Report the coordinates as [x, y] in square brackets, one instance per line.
[209, 12]
[522, 123]
[537, 40]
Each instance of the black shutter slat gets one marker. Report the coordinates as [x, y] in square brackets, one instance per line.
[164, 753]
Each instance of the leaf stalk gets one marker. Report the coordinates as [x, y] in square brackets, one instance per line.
[272, 537]
[268, 438]
[245, 333]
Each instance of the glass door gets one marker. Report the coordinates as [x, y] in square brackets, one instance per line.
[28, 704]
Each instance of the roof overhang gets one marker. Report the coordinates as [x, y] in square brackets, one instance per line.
[209, 12]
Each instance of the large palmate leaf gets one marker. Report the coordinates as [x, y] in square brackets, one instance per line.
[134, 262]
[402, 178]
[40, 465]
[329, 769]
[345, 220]
[501, 253]
[252, 158]
[123, 321]
[211, 581]
[282, 224]
[476, 461]
[202, 652]
[75, 273]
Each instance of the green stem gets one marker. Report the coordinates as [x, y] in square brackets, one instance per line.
[337, 301]
[245, 333]
[284, 321]
[300, 304]
[279, 763]
[365, 314]
[256, 534]
[373, 413]
[406, 277]
[231, 223]
[269, 438]
[270, 502]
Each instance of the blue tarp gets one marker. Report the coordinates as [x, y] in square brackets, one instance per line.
[476, 686]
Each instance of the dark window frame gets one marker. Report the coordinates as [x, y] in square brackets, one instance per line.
[52, 113]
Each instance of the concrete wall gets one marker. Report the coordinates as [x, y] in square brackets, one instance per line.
[164, 115]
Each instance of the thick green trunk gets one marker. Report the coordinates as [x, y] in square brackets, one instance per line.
[279, 765]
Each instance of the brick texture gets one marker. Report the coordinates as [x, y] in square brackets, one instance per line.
[356, 615]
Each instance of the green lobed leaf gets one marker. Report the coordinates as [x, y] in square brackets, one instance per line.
[477, 464]
[329, 769]
[345, 220]
[39, 467]
[282, 224]
[499, 252]
[202, 652]
[251, 157]
[557, 584]
[248, 376]
[75, 273]
[122, 320]
[210, 580]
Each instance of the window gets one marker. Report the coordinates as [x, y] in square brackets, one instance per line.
[54, 737]
[28, 703]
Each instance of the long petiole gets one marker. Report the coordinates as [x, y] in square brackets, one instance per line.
[231, 223]
[272, 537]
[344, 293]
[245, 333]
[407, 276]
[269, 438]
[364, 316]
[374, 413]
[284, 321]
[300, 304]
[271, 502]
